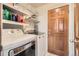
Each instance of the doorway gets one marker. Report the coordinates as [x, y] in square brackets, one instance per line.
[58, 30]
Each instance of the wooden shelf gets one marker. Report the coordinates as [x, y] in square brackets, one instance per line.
[16, 10]
[13, 22]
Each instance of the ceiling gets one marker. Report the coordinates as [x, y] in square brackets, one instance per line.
[28, 6]
[33, 4]
[37, 4]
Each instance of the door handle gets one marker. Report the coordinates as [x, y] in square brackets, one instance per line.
[72, 41]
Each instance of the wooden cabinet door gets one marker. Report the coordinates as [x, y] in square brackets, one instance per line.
[58, 30]
[76, 27]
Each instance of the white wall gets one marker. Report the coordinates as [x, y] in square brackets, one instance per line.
[43, 25]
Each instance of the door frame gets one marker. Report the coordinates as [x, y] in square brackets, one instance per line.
[1, 27]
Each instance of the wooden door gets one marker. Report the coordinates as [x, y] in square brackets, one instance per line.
[58, 30]
[76, 29]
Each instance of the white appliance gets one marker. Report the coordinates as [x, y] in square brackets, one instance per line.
[24, 50]
[41, 44]
[12, 39]
[15, 40]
